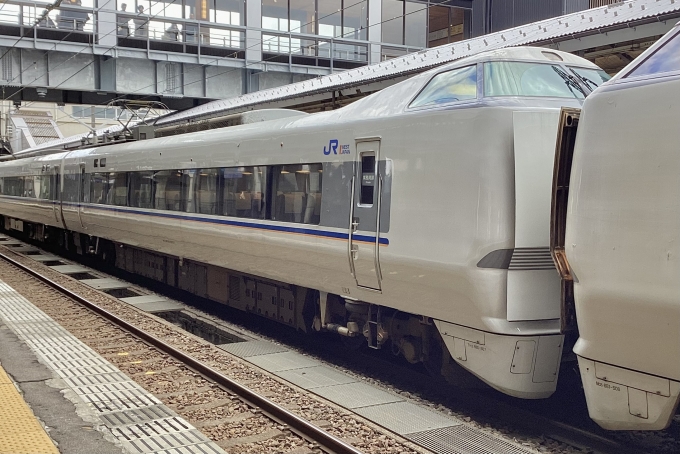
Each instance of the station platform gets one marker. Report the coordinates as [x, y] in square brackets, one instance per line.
[57, 395]
[20, 430]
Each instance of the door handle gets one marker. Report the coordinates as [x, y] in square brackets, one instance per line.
[355, 251]
[355, 224]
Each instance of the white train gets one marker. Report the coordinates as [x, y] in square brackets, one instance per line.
[617, 239]
[417, 217]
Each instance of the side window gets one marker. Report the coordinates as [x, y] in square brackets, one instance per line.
[71, 183]
[140, 189]
[13, 186]
[98, 187]
[451, 86]
[665, 59]
[44, 184]
[244, 192]
[296, 193]
[206, 185]
[31, 187]
[187, 202]
[117, 189]
[167, 190]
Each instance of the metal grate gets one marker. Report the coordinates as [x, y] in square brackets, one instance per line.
[170, 78]
[464, 440]
[406, 417]
[136, 416]
[7, 66]
[234, 288]
[252, 348]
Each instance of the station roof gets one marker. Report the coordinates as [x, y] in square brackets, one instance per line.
[550, 32]
[597, 20]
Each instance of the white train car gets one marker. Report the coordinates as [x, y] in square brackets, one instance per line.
[417, 217]
[617, 240]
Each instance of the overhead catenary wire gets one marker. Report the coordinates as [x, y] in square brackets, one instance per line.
[268, 59]
[196, 67]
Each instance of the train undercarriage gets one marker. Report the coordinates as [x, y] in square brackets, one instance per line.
[411, 336]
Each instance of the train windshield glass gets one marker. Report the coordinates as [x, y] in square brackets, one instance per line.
[529, 79]
[450, 86]
[665, 59]
[592, 78]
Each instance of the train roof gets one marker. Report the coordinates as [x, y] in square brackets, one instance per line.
[546, 31]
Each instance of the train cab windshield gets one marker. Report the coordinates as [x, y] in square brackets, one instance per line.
[506, 78]
[665, 59]
[592, 78]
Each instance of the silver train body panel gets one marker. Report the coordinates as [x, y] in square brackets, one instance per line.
[623, 243]
[455, 183]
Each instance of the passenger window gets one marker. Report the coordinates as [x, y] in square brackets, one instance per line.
[117, 189]
[98, 187]
[665, 59]
[244, 192]
[187, 201]
[31, 187]
[167, 188]
[505, 78]
[43, 184]
[14, 186]
[140, 189]
[206, 191]
[451, 86]
[71, 182]
[297, 193]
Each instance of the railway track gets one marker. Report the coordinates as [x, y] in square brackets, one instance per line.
[581, 440]
[315, 436]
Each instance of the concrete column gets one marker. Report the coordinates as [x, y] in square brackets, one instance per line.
[106, 23]
[253, 37]
[374, 30]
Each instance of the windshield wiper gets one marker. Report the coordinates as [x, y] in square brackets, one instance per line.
[569, 82]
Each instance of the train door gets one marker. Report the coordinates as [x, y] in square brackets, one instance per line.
[81, 193]
[55, 190]
[364, 229]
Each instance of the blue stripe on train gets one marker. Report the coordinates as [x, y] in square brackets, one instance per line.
[251, 225]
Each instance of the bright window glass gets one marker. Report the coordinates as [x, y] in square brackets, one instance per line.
[592, 78]
[330, 18]
[665, 59]
[529, 79]
[450, 86]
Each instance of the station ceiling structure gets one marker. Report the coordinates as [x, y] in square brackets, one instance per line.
[611, 36]
[601, 34]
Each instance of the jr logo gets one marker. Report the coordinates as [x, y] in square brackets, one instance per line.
[332, 146]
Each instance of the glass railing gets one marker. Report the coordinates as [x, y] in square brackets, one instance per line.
[80, 24]
[295, 48]
[193, 33]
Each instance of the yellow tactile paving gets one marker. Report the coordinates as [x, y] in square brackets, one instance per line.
[4, 378]
[20, 432]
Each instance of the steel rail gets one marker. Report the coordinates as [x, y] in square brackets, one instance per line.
[305, 429]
